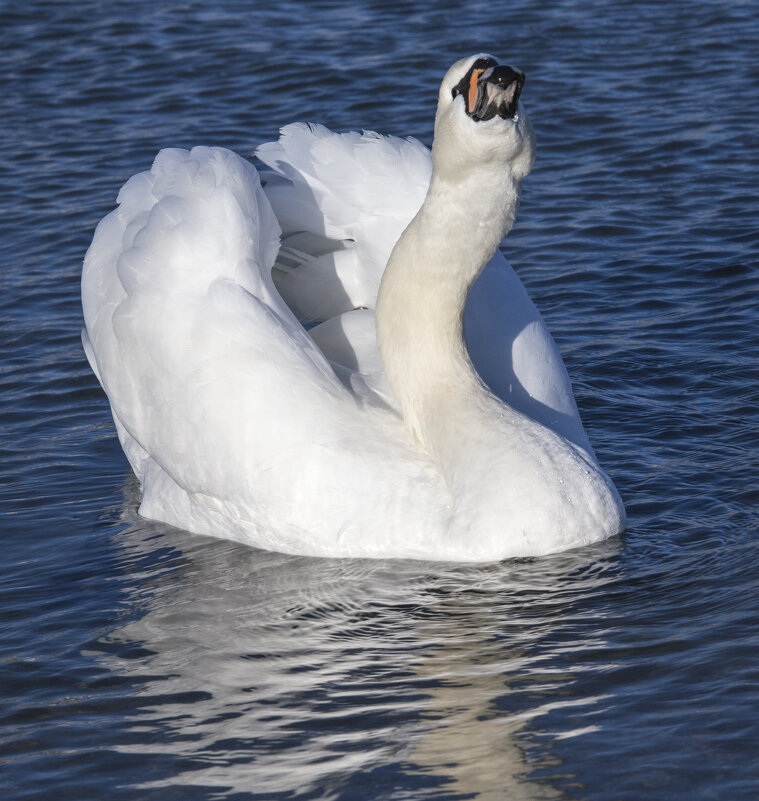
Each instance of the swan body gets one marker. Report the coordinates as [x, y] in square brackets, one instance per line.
[340, 362]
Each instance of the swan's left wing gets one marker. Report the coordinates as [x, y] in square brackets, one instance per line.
[343, 201]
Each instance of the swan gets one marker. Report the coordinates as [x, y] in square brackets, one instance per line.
[339, 362]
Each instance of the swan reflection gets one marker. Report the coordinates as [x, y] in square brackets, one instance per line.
[269, 673]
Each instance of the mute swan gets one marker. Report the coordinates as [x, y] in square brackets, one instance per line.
[341, 441]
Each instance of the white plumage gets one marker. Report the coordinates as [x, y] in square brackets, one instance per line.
[239, 423]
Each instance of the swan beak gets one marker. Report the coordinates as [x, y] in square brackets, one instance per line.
[494, 91]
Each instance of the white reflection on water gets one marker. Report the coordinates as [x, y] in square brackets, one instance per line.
[269, 673]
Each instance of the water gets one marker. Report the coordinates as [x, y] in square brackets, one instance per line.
[137, 661]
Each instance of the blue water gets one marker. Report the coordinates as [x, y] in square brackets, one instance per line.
[137, 661]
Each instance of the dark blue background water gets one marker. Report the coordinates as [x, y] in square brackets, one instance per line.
[141, 662]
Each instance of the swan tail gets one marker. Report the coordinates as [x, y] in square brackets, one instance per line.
[342, 201]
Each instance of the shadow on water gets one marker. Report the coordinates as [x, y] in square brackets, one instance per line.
[272, 674]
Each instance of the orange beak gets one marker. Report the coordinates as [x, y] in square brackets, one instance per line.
[472, 94]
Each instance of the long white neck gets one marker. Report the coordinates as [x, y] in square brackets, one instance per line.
[420, 305]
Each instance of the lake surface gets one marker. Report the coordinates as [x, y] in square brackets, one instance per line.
[138, 661]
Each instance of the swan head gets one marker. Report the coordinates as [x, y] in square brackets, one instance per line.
[480, 122]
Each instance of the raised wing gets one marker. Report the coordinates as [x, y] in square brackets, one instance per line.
[343, 201]
[227, 409]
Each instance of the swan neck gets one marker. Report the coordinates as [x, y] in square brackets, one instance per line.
[420, 305]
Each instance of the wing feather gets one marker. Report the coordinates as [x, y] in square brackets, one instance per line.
[232, 417]
[355, 191]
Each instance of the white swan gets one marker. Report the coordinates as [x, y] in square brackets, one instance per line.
[240, 424]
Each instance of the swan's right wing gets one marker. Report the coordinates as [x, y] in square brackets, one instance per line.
[181, 315]
[232, 417]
